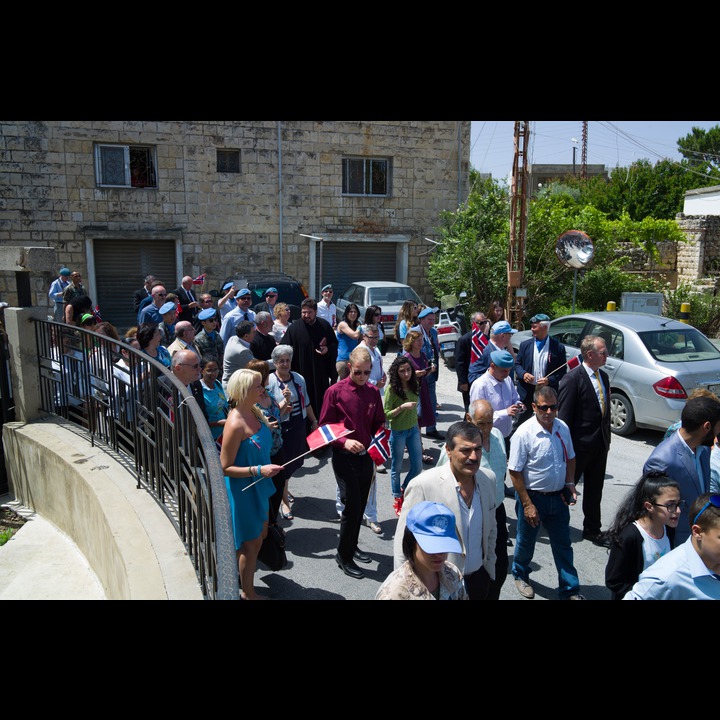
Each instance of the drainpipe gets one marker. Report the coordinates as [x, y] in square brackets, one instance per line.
[280, 195]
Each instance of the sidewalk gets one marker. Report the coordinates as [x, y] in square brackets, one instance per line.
[41, 563]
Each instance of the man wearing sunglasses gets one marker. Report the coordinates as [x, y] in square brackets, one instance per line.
[356, 404]
[685, 455]
[691, 571]
[150, 310]
[542, 465]
[584, 398]
[271, 298]
[186, 368]
[463, 352]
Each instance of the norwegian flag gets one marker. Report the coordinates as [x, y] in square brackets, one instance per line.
[325, 434]
[199, 280]
[572, 363]
[96, 313]
[379, 448]
[478, 342]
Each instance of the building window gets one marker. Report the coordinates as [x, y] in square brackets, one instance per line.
[125, 166]
[228, 161]
[365, 176]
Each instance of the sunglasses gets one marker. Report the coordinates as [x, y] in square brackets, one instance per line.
[714, 501]
[271, 295]
[194, 367]
[160, 294]
[545, 408]
[361, 372]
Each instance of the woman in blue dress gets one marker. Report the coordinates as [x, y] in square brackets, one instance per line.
[348, 334]
[245, 459]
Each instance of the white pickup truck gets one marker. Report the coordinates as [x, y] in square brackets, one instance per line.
[448, 335]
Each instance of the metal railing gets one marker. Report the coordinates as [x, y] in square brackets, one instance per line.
[130, 402]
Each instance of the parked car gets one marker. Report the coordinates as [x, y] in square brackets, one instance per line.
[388, 295]
[290, 290]
[654, 363]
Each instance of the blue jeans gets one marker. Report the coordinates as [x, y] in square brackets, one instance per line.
[555, 518]
[431, 379]
[398, 440]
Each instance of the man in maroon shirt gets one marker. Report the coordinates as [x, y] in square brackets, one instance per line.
[358, 406]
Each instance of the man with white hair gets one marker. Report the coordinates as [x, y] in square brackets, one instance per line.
[540, 360]
[187, 299]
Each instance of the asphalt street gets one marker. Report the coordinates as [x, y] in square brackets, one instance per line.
[312, 536]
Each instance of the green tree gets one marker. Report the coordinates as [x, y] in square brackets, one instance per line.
[472, 254]
[701, 149]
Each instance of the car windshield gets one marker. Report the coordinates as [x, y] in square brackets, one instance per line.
[391, 295]
[679, 345]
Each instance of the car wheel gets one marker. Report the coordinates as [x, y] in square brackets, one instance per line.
[622, 415]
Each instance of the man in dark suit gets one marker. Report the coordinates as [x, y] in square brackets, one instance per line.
[271, 296]
[540, 360]
[685, 455]
[186, 368]
[143, 292]
[187, 299]
[463, 355]
[584, 405]
[263, 343]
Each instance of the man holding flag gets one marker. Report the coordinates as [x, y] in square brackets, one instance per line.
[540, 360]
[469, 348]
[356, 404]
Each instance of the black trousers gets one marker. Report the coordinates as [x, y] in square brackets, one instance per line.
[591, 464]
[501, 563]
[353, 474]
[477, 584]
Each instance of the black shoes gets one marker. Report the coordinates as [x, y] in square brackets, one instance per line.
[350, 568]
[597, 538]
[435, 434]
[361, 557]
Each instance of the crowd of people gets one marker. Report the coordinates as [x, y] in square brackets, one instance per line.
[265, 383]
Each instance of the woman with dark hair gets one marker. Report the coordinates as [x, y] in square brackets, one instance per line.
[348, 334]
[413, 350]
[638, 535]
[400, 404]
[495, 312]
[216, 402]
[149, 336]
[427, 574]
[76, 308]
[373, 313]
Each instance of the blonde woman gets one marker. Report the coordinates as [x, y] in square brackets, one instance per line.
[282, 321]
[245, 458]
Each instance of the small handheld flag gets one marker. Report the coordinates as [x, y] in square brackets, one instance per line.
[574, 362]
[379, 448]
[199, 280]
[325, 434]
[478, 342]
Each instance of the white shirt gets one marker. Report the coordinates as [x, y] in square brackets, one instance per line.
[327, 312]
[501, 394]
[541, 456]
[471, 521]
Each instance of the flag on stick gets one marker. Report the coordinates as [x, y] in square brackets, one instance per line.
[325, 434]
[379, 448]
[199, 280]
[478, 342]
[571, 364]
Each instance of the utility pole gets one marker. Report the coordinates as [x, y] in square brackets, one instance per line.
[518, 224]
[583, 154]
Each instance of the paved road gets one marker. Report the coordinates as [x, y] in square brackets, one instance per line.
[312, 573]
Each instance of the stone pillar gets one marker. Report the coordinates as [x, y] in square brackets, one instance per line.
[24, 368]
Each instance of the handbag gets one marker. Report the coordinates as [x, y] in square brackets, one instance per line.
[272, 551]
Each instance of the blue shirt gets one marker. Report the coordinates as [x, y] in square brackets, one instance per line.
[679, 575]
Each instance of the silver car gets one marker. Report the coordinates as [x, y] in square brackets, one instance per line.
[654, 363]
[390, 296]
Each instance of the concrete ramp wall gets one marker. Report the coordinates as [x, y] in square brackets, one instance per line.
[91, 496]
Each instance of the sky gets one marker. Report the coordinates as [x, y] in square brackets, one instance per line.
[609, 142]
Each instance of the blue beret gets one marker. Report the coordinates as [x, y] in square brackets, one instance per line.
[206, 314]
[167, 307]
[502, 358]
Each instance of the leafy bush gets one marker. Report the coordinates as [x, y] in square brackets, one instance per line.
[704, 308]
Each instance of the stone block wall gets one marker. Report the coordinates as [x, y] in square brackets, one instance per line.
[227, 222]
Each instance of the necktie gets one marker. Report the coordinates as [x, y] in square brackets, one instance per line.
[601, 392]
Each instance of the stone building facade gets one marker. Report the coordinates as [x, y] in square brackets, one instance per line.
[118, 200]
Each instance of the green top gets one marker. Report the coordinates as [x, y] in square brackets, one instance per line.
[405, 419]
